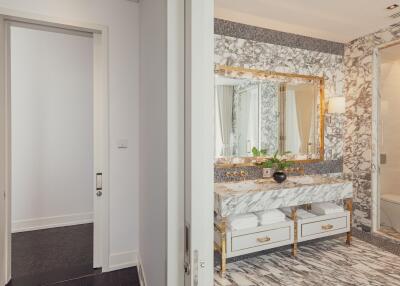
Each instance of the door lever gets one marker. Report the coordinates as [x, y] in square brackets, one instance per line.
[99, 184]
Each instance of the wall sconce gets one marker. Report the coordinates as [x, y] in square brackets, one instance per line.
[336, 105]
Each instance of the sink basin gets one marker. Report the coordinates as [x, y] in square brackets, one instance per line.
[304, 180]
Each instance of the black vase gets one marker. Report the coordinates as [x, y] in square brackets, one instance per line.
[279, 177]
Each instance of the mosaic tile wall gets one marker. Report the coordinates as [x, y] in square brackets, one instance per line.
[242, 31]
[359, 143]
[255, 172]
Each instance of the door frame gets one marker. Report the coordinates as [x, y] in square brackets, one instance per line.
[100, 34]
[199, 142]
[376, 133]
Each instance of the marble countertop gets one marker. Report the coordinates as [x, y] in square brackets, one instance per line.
[256, 195]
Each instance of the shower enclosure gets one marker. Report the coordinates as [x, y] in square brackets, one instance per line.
[389, 142]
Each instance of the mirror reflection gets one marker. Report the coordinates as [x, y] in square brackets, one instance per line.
[269, 114]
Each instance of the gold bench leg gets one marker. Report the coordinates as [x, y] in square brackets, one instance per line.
[295, 238]
[349, 207]
[222, 247]
[223, 253]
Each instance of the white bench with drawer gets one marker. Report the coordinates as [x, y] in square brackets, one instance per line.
[240, 242]
[290, 232]
[323, 225]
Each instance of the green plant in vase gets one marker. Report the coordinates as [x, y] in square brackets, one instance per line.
[278, 165]
[259, 153]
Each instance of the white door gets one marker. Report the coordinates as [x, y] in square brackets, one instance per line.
[199, 141]
[101, 190]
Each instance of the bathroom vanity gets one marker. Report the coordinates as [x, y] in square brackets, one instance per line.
[241, 197]
[259, 113]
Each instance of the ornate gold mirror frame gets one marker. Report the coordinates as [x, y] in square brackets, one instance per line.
[237, 72]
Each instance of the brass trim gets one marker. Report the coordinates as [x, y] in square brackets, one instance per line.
[222, 69]
[326, 227]
[263, 239]
[349, 207]
[295, 231]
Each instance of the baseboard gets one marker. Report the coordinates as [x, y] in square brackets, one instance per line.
[142, 276]
[122, 260]
[50, 222]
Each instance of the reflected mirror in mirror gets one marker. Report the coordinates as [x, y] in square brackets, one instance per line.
[269, 112]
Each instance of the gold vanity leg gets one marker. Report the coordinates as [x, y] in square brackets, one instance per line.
[349, 207]
[223, 247]
[295, 238]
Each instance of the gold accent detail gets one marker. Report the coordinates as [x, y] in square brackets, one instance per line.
[327, 227]
[263, 239]
[295, 226]
[222, 69]
[349, 207]
[222, 229]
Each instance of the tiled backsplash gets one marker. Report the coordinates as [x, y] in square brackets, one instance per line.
[255, 172]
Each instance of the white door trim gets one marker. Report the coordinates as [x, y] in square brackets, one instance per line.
[199, 141]
[375, 184]
[101, 135]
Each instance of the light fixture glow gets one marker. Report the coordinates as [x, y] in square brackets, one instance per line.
[336, 105]
[391, 7]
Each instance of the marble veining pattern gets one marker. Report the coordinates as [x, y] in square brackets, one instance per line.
[361, 93]
[251, 196]
[328, 263]
[264, 56]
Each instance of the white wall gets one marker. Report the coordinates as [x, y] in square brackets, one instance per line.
[153, 142]
[162, 141]
[52, 128]
[121, 17]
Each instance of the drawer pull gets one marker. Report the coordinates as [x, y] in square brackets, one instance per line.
[327, 227]
[263, 239]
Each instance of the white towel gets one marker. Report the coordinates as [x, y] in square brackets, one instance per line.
[270, 216]
[326, 208]
[244, 221]
[301, 214]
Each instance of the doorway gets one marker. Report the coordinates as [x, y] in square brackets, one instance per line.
[56, 138]
[388, 221]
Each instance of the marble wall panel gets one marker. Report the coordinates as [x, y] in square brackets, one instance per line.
[361, 93]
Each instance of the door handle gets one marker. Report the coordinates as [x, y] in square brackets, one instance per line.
[99, 181]
[99, 184]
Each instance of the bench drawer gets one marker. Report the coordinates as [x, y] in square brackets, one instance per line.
[324, 227]
[260, 238]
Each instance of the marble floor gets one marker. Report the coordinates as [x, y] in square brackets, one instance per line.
[328, 263]
[390, 232]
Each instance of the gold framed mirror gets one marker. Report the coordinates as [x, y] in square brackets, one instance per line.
[263, 112]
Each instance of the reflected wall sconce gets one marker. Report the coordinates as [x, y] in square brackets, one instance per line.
[336, 105]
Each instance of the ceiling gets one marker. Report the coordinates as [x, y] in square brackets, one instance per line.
[338, 20]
